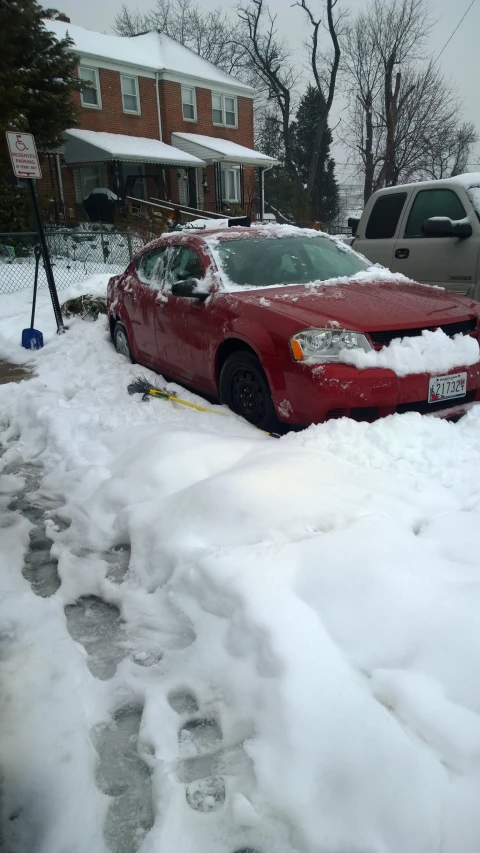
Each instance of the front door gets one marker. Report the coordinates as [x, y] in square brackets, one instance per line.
[182, 322]
[192, 188]
[144, 294]
[447, 261]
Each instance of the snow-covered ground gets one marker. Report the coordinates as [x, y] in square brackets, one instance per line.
[214, 641]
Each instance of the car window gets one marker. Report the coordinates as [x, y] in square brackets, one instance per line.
[428, 203]
[185, 263]
[259, 262]
[150, 267]
[384, 217]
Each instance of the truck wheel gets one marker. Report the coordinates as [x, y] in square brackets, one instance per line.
[244, 388]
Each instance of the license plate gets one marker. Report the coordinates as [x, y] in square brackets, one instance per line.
[446, 387]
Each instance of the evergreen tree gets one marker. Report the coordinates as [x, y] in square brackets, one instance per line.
[37, 76]
[280, 190]
[325, 202]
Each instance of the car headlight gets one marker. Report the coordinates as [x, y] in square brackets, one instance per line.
[317, 345]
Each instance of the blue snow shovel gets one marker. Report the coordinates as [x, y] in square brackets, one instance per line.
[32, 338]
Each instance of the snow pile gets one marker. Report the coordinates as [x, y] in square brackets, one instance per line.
[430, 352]
[299, 623]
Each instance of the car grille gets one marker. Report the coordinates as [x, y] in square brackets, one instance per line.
[382, 339]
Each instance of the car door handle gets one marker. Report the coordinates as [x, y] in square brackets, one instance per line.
[401, 254]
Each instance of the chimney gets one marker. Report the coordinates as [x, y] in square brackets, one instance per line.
[62, 17]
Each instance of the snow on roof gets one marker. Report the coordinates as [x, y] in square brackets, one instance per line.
[209, 147]
[90, 145]
[153, 51]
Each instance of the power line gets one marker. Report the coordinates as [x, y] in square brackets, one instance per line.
[455, 30]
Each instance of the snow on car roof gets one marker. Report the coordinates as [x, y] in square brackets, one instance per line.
[467, 180]
[153, 51]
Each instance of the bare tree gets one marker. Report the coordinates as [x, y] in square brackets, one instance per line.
[211, 34]
[449, 151]
[363, 72]
[404, 117]
[270, 57]
[399, 32]
[429, 140]
[130, 23]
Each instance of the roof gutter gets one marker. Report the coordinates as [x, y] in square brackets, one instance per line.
[158, 107]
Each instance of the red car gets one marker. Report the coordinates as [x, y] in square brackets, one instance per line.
[232, 313]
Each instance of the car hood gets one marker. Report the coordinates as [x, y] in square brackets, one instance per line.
[364, 306]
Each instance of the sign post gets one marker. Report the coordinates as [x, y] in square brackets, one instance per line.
[26, 165]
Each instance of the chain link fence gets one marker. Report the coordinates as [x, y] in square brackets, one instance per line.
[76, 254]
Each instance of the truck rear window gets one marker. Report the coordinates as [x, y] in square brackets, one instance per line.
[384, 216]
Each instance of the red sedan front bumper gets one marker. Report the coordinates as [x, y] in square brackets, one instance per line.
[315, 394]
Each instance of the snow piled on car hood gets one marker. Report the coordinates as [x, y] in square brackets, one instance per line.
[316, 599]
[431, 352]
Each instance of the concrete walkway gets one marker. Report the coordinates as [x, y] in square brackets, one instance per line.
[13, 373]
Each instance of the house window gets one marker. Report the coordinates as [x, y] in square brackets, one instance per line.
[131, 101]
[224, 110]
[231, 184]
[189, 106]
[90, 97]
[91, 178]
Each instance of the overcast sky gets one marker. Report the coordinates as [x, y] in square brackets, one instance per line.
[460, 60]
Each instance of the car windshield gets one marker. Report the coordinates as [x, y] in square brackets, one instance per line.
[264, 261]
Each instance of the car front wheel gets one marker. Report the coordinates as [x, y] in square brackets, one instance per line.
[121, 342]
[245, 389]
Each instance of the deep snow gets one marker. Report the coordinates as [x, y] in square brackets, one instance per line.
[292, 645]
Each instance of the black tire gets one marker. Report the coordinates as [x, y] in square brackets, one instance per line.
[121, 342]
[244, 388]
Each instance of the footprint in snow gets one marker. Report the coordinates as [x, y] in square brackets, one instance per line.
[98, 627]
[204, 761]
[122, 775]
[39, 568]
[118, 559]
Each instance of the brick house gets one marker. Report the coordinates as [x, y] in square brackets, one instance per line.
[157, 121]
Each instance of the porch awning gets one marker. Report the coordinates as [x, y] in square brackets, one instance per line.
[91, 146]
[214, 150]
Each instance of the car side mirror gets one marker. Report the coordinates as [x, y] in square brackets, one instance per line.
[189, 287]
[442, 226]
[353, 223]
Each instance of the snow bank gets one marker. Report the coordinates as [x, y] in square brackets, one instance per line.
[314, 600]
[16, 308]
[430, 352]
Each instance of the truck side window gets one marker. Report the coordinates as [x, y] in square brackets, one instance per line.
[430, 203]
[384, 216]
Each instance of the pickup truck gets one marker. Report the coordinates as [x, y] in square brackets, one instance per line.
[429, 231]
